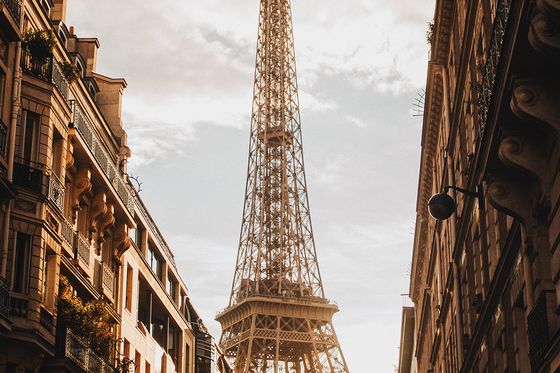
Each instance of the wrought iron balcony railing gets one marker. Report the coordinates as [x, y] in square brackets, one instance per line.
[4, 298]
[46, 319]
[46, 69]
[68, 233]
[490, 68]
[84, 357]
[29, 175]
[19, 305]
[107, 279]
[83, 250]
[56, 191]
[87, 131]
[14, 7]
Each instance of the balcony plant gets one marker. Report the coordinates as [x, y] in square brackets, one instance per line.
[70, 71]
[89, 320]
[430, 32]
[39, 43]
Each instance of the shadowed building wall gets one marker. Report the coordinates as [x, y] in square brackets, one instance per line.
[485, 281]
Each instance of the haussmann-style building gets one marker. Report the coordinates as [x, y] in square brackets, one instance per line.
[486, 257]
[87, 281]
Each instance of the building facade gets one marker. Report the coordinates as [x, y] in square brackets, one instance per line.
[485, 281]
[87, 281]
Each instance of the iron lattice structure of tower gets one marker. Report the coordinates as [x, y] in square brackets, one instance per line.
[278, 319]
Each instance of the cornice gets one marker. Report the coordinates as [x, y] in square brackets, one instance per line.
[430, 133]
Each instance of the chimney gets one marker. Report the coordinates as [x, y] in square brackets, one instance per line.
[88, 47]
[109, 101]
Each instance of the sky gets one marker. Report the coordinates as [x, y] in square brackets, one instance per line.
[361, 63]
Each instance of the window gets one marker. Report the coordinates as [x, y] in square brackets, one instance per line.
[83, 223]
[46, 7]
[147, 370]
[62, 36]
[173, 343]
[171, 286]
[57, 146]
[138, 232]
[137, 360]
[80, 68]
[126, 349]
[155, 261]
[129, 273]
[49, 268]
[22, 257]
[29, 137]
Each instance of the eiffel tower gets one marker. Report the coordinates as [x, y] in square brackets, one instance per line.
[278, 319]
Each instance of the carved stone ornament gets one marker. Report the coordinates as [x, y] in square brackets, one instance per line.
[544, 34]
[69, 155]
[121, 239]
[528, 154]
[82, 185]
[25, 205]
[104, 222]
[538, 99]
[515, 197]
[98, 208]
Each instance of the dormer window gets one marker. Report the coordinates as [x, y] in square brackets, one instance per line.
[92, 90]
[81, 68]
[62, 37]
[46, 5]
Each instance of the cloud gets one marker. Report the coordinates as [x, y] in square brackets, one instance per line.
[356, 121]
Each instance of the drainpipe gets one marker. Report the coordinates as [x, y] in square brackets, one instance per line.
[16, 92]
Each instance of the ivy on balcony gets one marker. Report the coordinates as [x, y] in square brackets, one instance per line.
[89, 320]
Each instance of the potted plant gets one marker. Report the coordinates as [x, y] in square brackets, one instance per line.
[39, 43]
[70, 71]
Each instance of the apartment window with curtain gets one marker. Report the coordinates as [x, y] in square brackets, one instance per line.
[49, 269]
[57, 147]
[155, 261]
[129, 284]
[137, 361]
[171, 287]
[22, 261]
[29, 136]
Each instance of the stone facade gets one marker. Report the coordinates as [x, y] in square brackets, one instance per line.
[69, 212]
[485, 282]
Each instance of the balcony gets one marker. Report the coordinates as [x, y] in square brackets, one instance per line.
[28, 175]
[4, 298]
[87, 131]
[19, 305]
[107, 280]
[83, 251]
[79, 353]
[46, 319]
[56, 191]
[67, 231]
[14, 8]
[47, 70]
[10, 16]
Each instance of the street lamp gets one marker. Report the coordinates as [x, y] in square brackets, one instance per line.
[442, 205]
